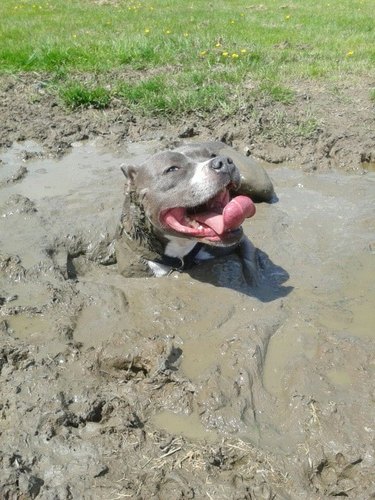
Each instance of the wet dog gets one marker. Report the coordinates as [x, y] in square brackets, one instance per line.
[185, 205]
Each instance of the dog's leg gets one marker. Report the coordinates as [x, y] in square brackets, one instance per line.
[248, 254]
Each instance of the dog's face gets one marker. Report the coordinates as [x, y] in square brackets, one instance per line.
[191, 199]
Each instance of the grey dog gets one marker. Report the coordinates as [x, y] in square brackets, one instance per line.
[187, 204]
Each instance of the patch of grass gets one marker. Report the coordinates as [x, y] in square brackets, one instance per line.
[372, 94]
[143, 92]
[77, 95]
[139, 57]
[163, 95]
[277, 93]
[307, 128]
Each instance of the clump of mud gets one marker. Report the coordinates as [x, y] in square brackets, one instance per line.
[194, 385]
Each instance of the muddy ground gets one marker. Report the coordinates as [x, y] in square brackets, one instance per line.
[327, 125]
[196, 385]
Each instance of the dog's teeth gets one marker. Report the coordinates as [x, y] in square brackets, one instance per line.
[191, 222]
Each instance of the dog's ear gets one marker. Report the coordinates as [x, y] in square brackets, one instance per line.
[129, 171]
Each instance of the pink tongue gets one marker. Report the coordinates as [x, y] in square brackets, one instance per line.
[234, 213]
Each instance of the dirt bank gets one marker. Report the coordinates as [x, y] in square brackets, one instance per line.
[195, 385]
[326, 125]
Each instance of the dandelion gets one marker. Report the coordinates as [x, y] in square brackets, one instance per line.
[235, 55]
[203, 53]
[350, 53]
[186, 34]
[243, 51]
[287, 17]
[218, 44]
[147, 30]
[167, 32]
[225, 54]
[232, 21]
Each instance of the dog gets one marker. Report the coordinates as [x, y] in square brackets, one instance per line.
[186, 205]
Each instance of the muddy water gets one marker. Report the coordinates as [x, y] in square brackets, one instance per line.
[331, 268]
[277, 365]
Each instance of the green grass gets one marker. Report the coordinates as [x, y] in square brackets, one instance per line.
[278, 93]
[77, 95]
[157, 95]
[203, 53]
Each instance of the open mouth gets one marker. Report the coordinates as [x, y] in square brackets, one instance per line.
[216, 220]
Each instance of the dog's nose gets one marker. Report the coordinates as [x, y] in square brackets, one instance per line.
[222, 164]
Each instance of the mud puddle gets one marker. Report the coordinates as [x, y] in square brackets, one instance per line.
[196, 376]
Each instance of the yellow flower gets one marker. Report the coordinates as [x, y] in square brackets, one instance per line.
[186, 34]
[232, 21]
[225, 54]
[235, 56]
[287, 17]
[203, 53]
[350, 53]
[243, 51]
[167, 32]
[147, 30]
[218, 44]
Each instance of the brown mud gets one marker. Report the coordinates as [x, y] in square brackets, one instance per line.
[194, 385]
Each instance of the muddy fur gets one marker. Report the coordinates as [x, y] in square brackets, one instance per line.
[136, 241]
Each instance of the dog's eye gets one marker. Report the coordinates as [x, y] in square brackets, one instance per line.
[173, 168]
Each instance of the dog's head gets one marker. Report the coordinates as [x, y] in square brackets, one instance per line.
[183, 197]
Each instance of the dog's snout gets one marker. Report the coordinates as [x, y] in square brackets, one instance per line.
[222, 163]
